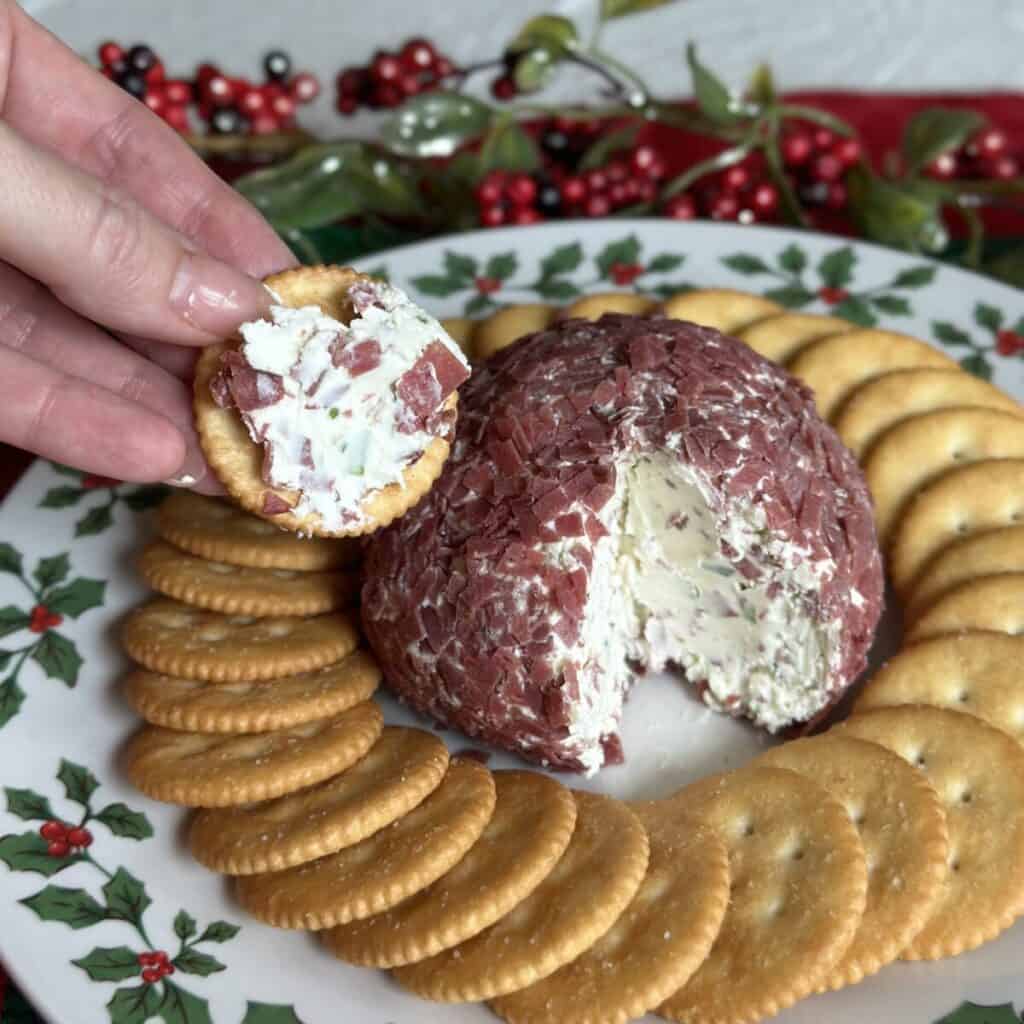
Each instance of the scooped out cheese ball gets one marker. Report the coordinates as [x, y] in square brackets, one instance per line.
[627, 492]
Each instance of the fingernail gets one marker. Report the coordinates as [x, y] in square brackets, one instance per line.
[192, 471]
[214, 298]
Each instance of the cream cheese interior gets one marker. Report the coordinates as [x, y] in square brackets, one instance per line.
[662, 593]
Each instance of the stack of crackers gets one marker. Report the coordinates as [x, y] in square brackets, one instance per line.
[898, 833]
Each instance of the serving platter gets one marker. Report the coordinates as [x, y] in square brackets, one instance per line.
[72, 928]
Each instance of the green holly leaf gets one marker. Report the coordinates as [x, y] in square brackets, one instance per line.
[124, 822]
[460, 266]
[856, 310]
[134, 1005]
[126, 897]
[546, 30]
[670, 288]
[478, 304]
[664, 262]
[745, 263]
[12, 619]
[28, 804]
[836, 268]
[509, 148]
[61, 497]
[974, 1013]
[5, 657]
[270, 1013]
[440, 287]
[988, 317]
[905, 213]
[533, 68]
[219, 931]
[894, 305]
[914, 277]
[52, 570]
[792, 296]
[147, 497]
[793, 259]
[63, 470]
[184, 925]
[58, 657]
[563, 260]
[75, 907]
[79, 782]
[435, 124]
[934, 131]
[10, 559]
[179, 1006]
[502, 265]
[950, 334]
[557, 289]
[12, 696]
[191, 961]
[110, 963]
[978, 365]
[607, 144]
[96, 520]
[76, 597]
[713, 98]
[625, 250]
[27, 852]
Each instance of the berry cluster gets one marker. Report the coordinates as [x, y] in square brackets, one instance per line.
[391, 78]
[1009, 343]
[41, 619]
[155, 965]
[63, 839]
[226, 105]
[817, 160]
[740, 193]
[986, 156]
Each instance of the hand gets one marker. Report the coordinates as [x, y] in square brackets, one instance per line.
[120, 253]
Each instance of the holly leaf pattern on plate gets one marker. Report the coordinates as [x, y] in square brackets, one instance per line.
[12, 619]
[836, 268]
[79, 782]
[134, 1005]
[62, 497]
[126, 897]
[974, 1013]
[52, 570]
[10, 559]
[28, 805]
[219, 931]
[270, 1013]
[191, 961]
[27, 852]
[74, 907]
[179, 1006]
[109, 963]
[625, 250]
[96, 520]
[12, 696]
[58, 657]
[184, 925]
[124, 822]
[77, 597]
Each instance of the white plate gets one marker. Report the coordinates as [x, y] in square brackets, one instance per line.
[136, 892]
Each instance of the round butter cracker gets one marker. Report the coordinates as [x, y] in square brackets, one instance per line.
[781, 336]
[593, 307]
[500, 329]
[724, 309]
[992, 603]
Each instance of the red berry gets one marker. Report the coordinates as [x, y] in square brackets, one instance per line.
[681, 207]
[166, 968]
[264, 124]
[304, 87]
[832, 296]
[386, 67]
[826, 168]
[93, 480]
[160, 958]
[151, 974]
[597, 206]
[735, 178]
[283, 107]
[346, 105]
[219, 91]
[177, 91]
[646, 191]
[521, 189]
[145, 959]
[1002, 168]
[110, 53]
[58, 848]
[595, 180]
[80, 837]
[487, 285]
[1009, 343]
[156, 74]
[253, 102]
[616, 171]
[443, 67]
[988, 143]
[156, 100]
[625, 273]
[492, 216]
[643, 158]
[526, 215]
[53, 830]
[491, 188]
[351, 81]
[409, 84]
[574, 190]
[631, 189]
[619, 193]
[724, 207]
[503, 88]
[943, 167]
[764, 200]
[835, 197]
[41, 619]
[417, 55]
[657, 170]
[847, 151]
[796, 148]
[388, 96]
[177, 117]
[823, 139]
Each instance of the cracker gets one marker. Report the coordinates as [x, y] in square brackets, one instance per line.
[585, 893]
[531, 827]
[399, 772]
[799, 881]
[993, 603]
[651, 951]
[236, 590]
[918, 450]
[902, 825]
[176, 639]
[724, 309]
[500, 329]
[592, 307]
[833, 367]
[214, 529]
[238, 460]
[194, 706]
[978, 773]
[379, 872]
[781, 336]
[977, 673]
[202, 770]
[961, 503]
[887, 400]
[461, 330]
[983, 554]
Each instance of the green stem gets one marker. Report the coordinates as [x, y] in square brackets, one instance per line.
[644, 93]
[790, 203]
[88, 858]
[25, 652]
[975, 236]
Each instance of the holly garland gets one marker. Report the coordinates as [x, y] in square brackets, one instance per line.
[60, 843]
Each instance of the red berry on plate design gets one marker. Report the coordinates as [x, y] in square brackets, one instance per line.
[487, 285]
[58, 848]
[80, 837]
[1009, 343]
[151, 975]
[625, 273]
[41, 619]
[54, 831]
[832, 296]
